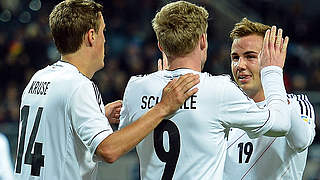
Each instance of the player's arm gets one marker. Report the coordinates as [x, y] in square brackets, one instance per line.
[274, 53]
[302, 130]
[274, 120]
[173, 96]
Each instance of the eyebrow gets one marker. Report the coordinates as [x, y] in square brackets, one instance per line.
[249, 52]
[246, 53]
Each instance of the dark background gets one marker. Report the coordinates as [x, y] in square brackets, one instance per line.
[26, 46]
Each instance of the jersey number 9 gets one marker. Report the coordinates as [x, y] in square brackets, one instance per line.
[170, 157]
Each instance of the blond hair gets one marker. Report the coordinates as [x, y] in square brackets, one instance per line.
[70, 20]
[179, 26]
[246, 27]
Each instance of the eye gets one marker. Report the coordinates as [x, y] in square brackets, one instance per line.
[235, 58]
[251, 57]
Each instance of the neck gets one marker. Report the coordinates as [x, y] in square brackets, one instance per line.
[79, 60]
[258, 97]
[190, 61]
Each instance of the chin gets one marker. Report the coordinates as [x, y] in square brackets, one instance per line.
[244, 87]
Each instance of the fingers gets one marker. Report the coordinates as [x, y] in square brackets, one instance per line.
[189, 83]
[160, 68]
[183, 80]
[191, 92]
[273, 35]
[266, 40]
[285, 45]
[279, 39]
[170, 84]
[116, 103]
[165, 64]
[114, 121]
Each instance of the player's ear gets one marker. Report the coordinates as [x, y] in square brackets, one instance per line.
[159, 46]
[203, 41]
[90, 37]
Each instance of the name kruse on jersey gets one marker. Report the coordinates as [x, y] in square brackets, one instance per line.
[39, 87]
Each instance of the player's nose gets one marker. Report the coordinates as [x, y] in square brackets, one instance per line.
[241, 64]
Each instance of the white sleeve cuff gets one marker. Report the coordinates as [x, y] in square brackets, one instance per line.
[96, 141]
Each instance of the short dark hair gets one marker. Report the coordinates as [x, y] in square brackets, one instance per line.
[70, 20]
[246, 27]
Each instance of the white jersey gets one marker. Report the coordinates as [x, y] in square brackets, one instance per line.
[62, 122]
[6, 170]
[190, 144]
[273, 158]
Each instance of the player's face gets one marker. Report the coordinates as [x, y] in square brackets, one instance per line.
[100, 44]
[244, 63]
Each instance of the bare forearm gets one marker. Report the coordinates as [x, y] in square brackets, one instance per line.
[125, 139]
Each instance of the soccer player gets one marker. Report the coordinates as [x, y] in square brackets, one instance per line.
[64, 130]
[6, 170]
[265, 157]
[191, 143]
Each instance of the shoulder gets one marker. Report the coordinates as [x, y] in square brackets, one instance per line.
[143, 79]
[3, 140]
[301, 103]
[301, 99]
[229, 85]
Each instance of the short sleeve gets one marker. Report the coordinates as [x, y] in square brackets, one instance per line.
[87, 117]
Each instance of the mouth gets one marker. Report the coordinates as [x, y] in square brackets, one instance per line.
[244, 78]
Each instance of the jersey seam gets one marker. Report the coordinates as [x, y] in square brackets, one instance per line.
[285, 171]
[246, 173]
[235, 140]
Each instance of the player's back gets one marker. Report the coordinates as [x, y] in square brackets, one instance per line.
[190, 144]
[48, 146]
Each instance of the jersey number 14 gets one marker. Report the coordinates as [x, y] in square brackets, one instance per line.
[36, 160]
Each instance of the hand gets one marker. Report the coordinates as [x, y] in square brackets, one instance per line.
[113, 111]
[274, 49]
[177, 91]
[163, 63]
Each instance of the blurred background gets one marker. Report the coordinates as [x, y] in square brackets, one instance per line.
[26, 46]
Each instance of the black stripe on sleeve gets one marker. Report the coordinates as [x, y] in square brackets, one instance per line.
[309, 105]
[301, 107]
[96, 136]
[306, 106]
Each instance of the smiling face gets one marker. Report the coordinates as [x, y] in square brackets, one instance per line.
[245, 66]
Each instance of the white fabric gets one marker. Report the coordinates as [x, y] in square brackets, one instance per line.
[202, 124]
[72, 123]
[270, 158]
[6, 170]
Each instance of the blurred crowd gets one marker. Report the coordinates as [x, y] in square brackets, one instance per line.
[26, 45]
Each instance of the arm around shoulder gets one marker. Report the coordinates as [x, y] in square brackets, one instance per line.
[173, 96]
